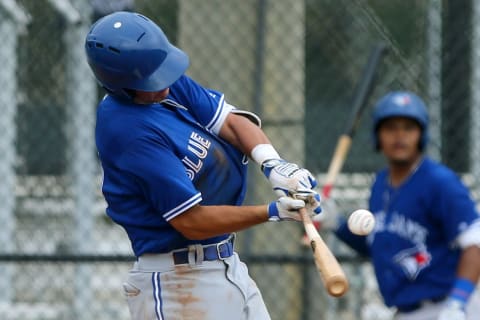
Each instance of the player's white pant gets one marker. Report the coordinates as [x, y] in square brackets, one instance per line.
[430, 311]
[215, 290]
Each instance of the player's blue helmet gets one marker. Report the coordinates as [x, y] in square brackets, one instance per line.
[128, 51]
[401, 104]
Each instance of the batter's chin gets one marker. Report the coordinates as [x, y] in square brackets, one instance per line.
[401, 162]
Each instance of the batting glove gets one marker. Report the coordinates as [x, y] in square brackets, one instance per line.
[286, 178]
[454, 310]
[285, 208]
[311, 198]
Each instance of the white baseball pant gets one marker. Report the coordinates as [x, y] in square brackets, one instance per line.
[156, 289]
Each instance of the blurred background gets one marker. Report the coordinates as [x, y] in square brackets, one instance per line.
[294, 63]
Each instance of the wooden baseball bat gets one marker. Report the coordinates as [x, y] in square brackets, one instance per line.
[361, 96]
[331, 272]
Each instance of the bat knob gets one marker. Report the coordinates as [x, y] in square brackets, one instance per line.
[337, 286]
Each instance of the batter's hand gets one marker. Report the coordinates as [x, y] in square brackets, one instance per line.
[312, 200]
[454, 310]
[287, 178]
[285, 208]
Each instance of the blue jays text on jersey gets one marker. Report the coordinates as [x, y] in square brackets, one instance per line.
[199, 147]
[413, 247]
[161, 159]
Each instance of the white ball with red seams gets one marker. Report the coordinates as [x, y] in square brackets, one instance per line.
[361, 222]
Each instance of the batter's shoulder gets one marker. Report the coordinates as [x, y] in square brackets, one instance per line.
[439, 175]
[183, 85]
[438, 170]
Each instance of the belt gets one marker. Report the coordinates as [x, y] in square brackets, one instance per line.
[415, 306]
[211, 252]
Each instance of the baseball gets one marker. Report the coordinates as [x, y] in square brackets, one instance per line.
[361, 222]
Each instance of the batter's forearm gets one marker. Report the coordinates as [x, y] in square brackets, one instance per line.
[202, 222]
[357, 243]
[468, 273]
[469, 265]
[242, 133]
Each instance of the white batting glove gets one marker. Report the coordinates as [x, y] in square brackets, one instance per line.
[312, 200]
[285, 208]
[453, 310]
[286, 178]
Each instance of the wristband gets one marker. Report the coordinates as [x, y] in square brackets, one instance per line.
[461, 291]
[273, 212]
[262, 152]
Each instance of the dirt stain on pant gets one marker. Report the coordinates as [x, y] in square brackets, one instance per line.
[179, 293]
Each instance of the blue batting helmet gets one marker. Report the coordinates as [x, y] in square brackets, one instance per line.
[401, 104]
[126, 50]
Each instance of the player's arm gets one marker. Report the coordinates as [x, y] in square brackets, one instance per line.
[357, 243]
[468, 273]
[468, 270]
[285, 177]
[201, 222]
[244, 134]
[469, 266]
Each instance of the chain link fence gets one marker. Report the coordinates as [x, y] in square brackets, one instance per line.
[294, 63]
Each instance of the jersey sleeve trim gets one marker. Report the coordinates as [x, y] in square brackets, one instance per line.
[470, 236]
[249, 115]
[183, 207]
[220, 115]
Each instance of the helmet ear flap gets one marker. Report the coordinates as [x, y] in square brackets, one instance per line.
[376, 140]
[423, 140]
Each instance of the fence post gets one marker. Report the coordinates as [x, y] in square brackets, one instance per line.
[434, 75]
[475, 94]
[13, 21]
[81, 96]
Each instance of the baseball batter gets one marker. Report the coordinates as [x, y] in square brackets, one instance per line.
[174, 160]
[425, 245]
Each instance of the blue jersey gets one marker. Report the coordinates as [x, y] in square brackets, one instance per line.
[161, 159]
[413, 244]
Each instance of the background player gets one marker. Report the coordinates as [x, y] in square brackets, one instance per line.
[425, 245]
[173, 156]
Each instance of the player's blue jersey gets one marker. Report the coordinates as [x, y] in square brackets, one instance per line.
[161, 159]
[412, 245]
